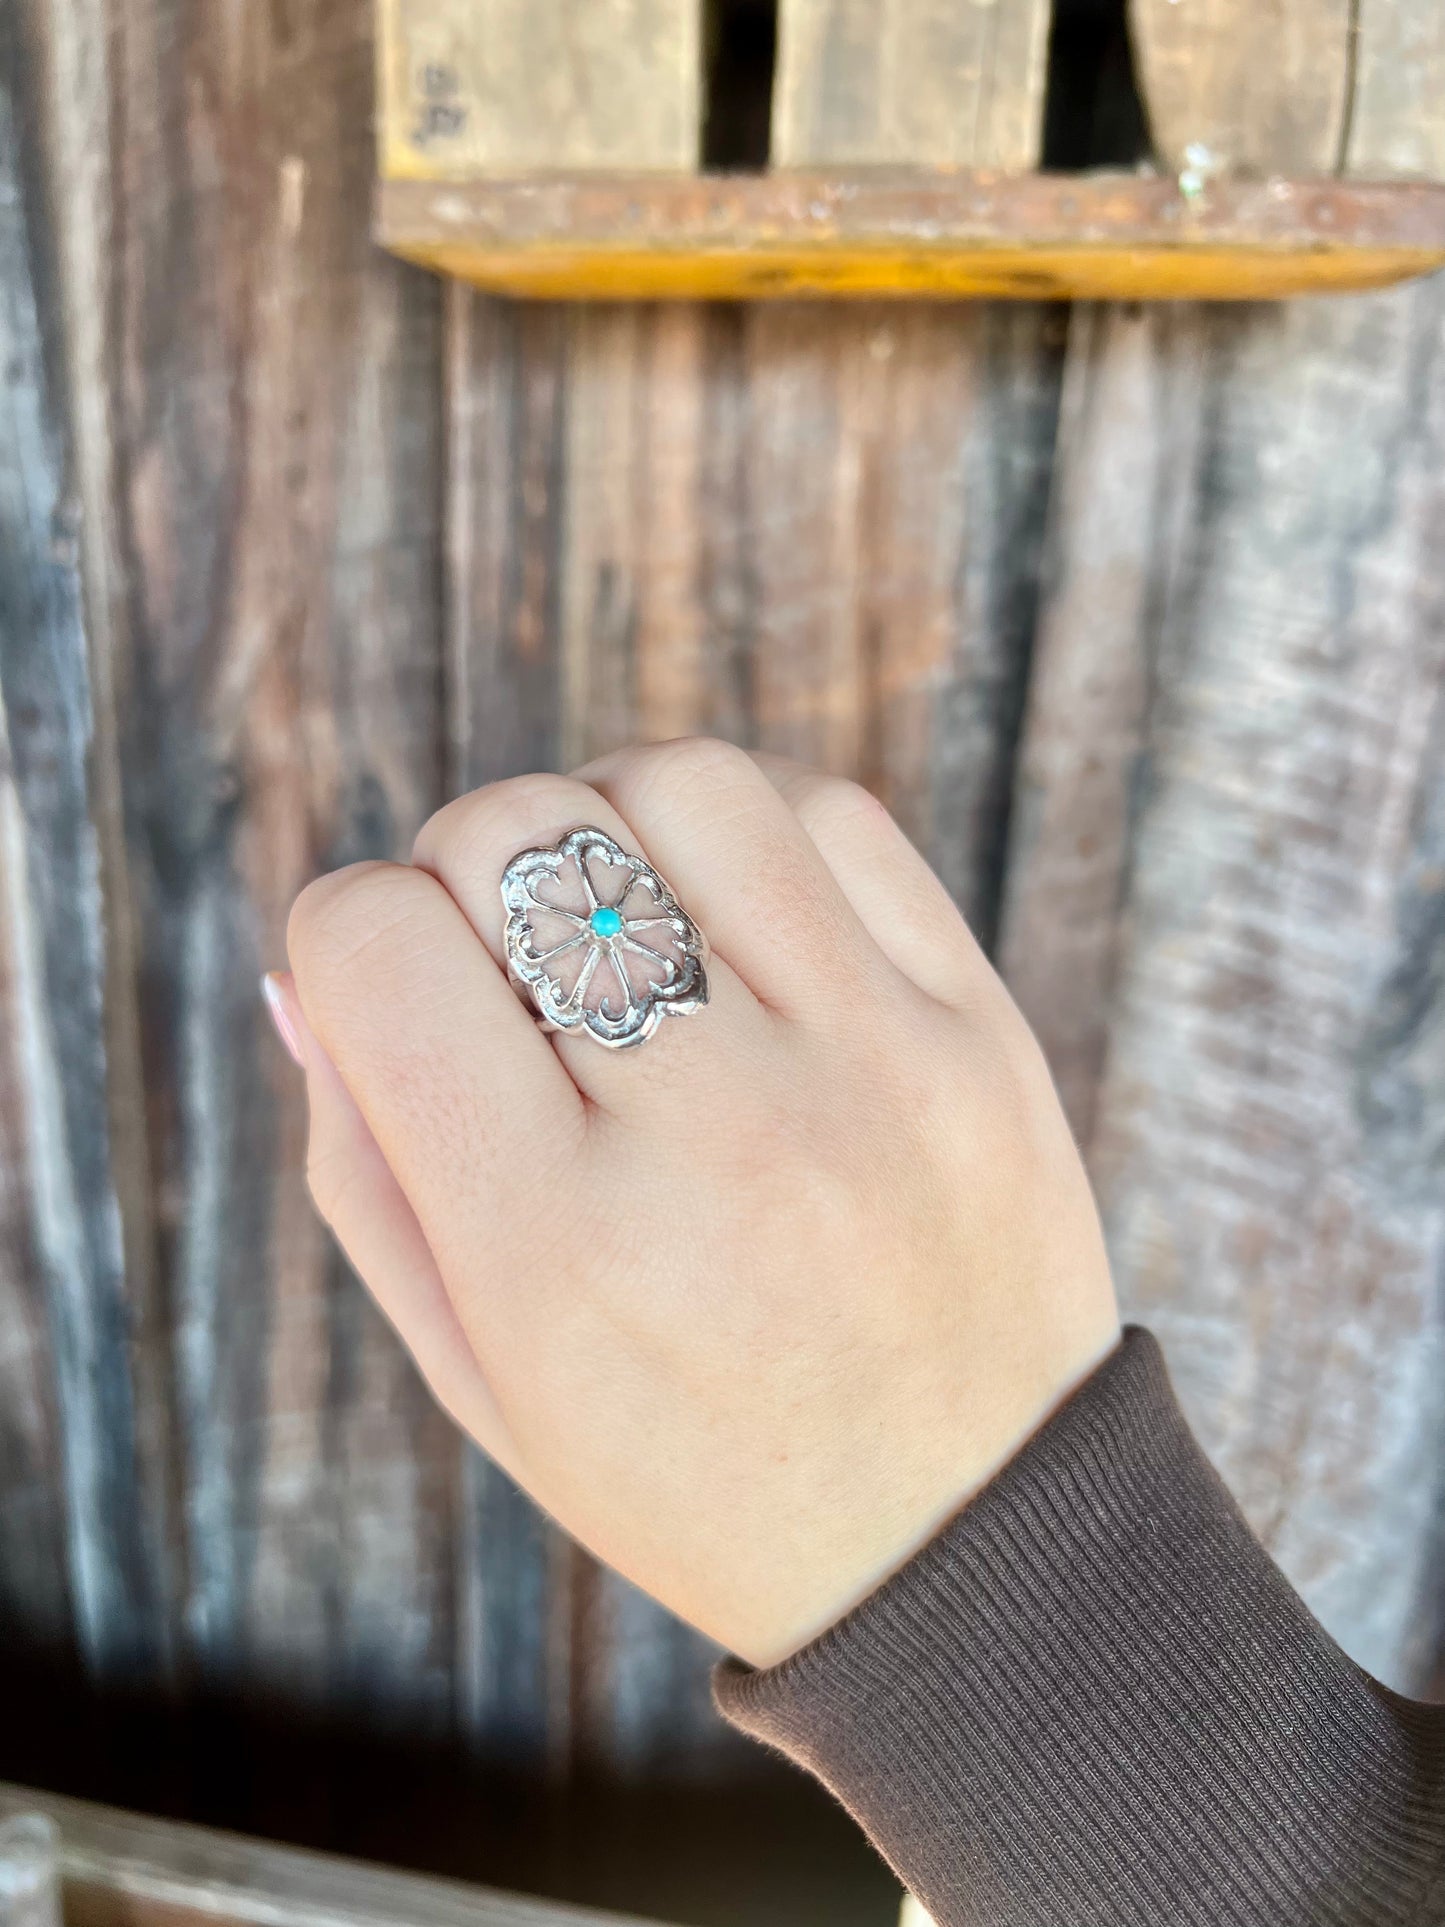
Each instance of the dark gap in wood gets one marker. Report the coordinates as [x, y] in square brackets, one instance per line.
[729, 586]
[453, 566]
[1094, 112]
[741, 39]
[1043, 339]
[1352, 77]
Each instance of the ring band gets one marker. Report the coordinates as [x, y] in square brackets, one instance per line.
[598, 942]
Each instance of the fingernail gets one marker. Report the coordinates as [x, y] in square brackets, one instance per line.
[278, 1002]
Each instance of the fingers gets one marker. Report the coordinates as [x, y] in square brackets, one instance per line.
[755, 880]
[469, 842]
[462, 1093]
[468, 845]
[902, 904]
[357, 1195]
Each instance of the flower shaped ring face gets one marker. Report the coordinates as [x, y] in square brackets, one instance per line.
[598, 942]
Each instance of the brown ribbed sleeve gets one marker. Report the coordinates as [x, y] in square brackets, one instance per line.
[1093, 1701]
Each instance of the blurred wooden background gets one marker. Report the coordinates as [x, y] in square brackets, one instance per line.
[1136, 618]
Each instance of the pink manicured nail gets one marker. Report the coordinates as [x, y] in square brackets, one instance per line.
[278, 1003]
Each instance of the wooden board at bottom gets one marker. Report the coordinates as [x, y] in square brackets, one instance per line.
[124, 1870]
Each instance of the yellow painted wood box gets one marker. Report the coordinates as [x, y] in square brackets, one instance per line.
[558, 148]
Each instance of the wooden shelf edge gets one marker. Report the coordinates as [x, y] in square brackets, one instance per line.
[915, 233]
[124, 1869]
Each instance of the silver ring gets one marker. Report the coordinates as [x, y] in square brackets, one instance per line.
[598, 942]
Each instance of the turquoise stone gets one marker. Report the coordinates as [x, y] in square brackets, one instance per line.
[606, 923]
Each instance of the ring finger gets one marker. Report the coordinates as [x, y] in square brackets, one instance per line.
[601, 961]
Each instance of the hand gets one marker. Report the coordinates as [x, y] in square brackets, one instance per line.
[750, 1310]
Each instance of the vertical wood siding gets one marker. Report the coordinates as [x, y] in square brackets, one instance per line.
[1230, 804]
[76, 1431]
[1223, 893]
[1134, 620]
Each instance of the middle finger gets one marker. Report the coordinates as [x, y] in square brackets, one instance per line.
[468, 845]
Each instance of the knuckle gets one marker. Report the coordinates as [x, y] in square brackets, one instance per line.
[708, 757]
[337, 919]
[690, 769]
[835, 805]
[511, 812]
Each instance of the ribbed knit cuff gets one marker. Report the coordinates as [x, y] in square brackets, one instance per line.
[1094, 1701]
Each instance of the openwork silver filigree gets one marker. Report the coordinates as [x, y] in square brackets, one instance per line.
[598, 942]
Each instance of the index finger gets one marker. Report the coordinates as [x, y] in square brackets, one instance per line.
[460, 1088]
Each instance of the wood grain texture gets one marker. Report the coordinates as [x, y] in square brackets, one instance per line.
[505, 399]
[1120, 505]
[635, 635]
[1244, 815]
[276, 409]
[897, 475]
[34, 1567]
[913, 231]
[35, 1589]
[258, 398]
[35, 1594]
[864, 84]
[77, 1446]
[814, 532]
[1397, 116]
[340, 553]
[1230, 88]
[489, 86]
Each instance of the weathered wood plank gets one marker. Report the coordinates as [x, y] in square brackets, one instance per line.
[898, 471]
[1268, 1123]
[859, 84]
[259, 396]
[1397, 116]
[492, 86]
[914, 231]
[1226, 782]
[76, 1444]
[35, 1599]
[1270, 1130]
[812, 531]
[1122, 492]
[505, 386]
[1233, 88]
[635, 635]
